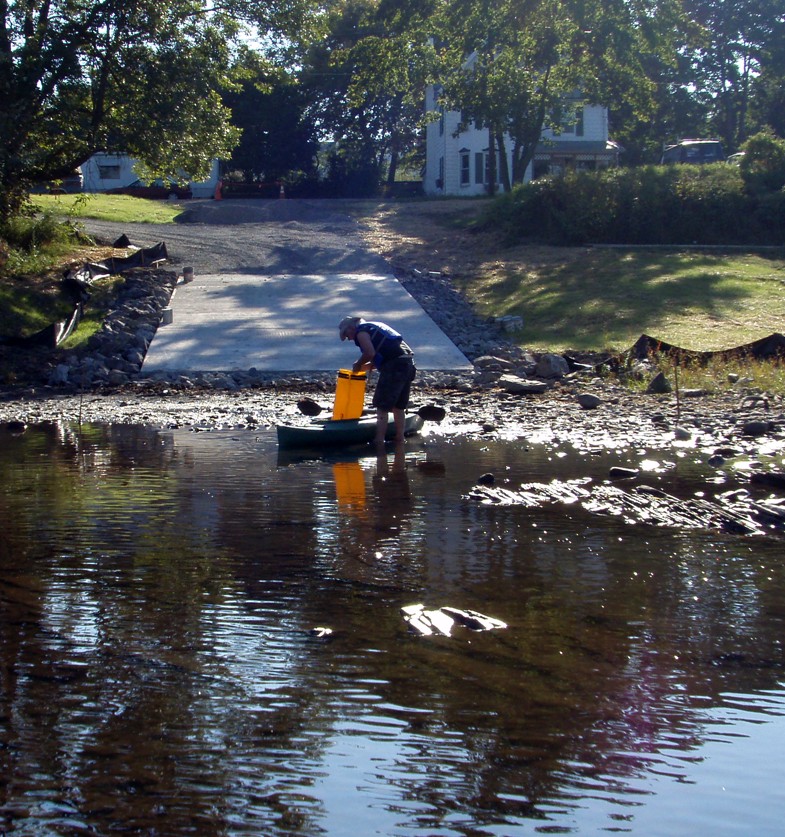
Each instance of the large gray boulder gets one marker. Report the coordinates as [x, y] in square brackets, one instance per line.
[551, 366]
[520, 386]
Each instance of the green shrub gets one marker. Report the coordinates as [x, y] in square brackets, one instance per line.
[763, 164]
[28, 232]
[710, 206]
[30, 244]
[645, 205]
[770, 216]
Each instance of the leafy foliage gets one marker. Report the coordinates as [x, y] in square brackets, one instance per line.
[531, 65]
[278, 136]
[141, 76]
[646, 205]
[730, 56]
[763, 164]
[365, 75]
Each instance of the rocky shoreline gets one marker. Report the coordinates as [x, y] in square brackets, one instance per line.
[511, 393]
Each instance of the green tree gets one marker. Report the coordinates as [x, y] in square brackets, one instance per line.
[518, 68]
[140, 76]
[366, 74]
[279, 136]
[767, 105]
[674, 111]
[737, 37]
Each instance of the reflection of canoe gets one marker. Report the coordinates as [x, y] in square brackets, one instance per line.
[336, 433]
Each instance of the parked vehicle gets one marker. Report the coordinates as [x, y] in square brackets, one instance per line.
[694, 151]
[735, 159]
[69, 185]
[157, 189]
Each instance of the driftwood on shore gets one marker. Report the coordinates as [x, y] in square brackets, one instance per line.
[735, 511]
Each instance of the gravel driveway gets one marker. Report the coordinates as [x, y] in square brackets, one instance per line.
[265, 237]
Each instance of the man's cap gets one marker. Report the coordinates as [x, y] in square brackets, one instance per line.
[347, 323]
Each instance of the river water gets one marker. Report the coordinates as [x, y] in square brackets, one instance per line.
[160, 673]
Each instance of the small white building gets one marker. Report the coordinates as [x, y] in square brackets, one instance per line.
[456, 163]
[109, 171]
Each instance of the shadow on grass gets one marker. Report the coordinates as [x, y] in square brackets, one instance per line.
[606, 299]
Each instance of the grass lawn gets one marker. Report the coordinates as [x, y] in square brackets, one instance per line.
[604, 299]
[109, 207]
[29, 307]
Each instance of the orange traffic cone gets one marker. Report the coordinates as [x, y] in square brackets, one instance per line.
[219, 190]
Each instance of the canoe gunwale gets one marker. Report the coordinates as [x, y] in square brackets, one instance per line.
[339, 432]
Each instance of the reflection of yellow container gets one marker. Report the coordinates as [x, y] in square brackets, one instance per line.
[349, 394]
[349, 485]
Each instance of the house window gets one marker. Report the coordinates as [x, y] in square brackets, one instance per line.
[577, 126]
[109, 172]
[440, 181]
[465, 172]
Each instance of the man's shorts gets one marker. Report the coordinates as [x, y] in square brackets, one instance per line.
[394, 385]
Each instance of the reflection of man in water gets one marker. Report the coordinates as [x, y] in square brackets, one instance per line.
[375, 512]
[391, 487]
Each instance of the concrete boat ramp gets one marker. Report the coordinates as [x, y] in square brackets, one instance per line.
[288, 323]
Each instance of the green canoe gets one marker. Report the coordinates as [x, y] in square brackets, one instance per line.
[322, 433]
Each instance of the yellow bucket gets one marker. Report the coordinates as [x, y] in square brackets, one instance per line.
[349, 394]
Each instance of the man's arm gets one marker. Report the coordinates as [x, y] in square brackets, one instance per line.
[365, 360]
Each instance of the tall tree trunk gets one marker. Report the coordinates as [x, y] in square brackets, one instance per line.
[393, 168]
[504, 167]
[491, 161]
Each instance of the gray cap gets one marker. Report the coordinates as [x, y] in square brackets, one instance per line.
[347, 323]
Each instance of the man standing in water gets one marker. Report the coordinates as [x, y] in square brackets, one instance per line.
[383, 347]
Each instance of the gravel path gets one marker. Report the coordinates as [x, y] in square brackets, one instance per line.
[265, 237]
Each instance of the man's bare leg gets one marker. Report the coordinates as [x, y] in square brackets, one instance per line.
[381, 427]
[399, 416]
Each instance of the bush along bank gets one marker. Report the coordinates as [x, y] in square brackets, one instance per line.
[678, 205]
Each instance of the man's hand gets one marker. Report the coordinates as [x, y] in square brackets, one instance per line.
[368, 352]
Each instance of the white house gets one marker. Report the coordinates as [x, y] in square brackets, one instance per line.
[457, 163]
[107, 171]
